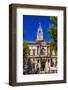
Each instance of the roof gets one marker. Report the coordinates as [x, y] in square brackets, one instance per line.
[37, 42]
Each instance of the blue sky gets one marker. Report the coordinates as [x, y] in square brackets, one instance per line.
[31, 24]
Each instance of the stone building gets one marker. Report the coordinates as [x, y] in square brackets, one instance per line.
[42, 58]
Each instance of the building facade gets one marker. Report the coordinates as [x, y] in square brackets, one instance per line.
[41, 58]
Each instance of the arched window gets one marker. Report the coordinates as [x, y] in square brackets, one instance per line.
[42, 51]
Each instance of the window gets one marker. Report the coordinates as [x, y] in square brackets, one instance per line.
[42, 51]
[33, 51]
[37, 50]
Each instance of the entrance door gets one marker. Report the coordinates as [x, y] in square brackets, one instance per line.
[43, 64]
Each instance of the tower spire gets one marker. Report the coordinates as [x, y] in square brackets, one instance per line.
[39, 33]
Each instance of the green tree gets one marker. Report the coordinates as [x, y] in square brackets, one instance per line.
[53, 32]
[25, 56]
[25, 49]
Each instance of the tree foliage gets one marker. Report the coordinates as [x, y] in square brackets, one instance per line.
[25, 49]
[53, 32]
